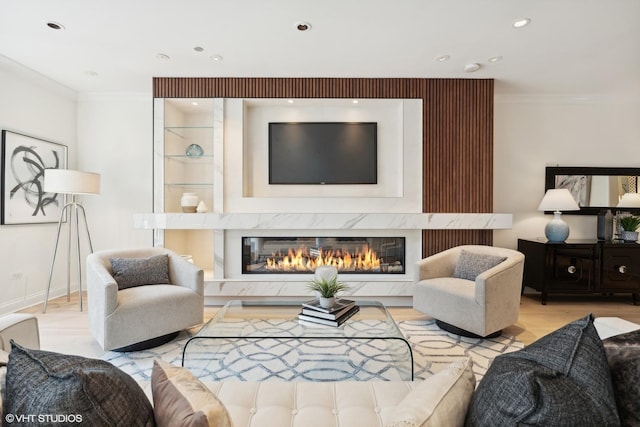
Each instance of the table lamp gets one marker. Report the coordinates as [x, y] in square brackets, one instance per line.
[629, 200]
[75, 183]
[556, 200]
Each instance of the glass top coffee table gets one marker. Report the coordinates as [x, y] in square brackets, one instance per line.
[249, 340]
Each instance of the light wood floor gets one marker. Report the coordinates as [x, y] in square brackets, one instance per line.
[64, 329]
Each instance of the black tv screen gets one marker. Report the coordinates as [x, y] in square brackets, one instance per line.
[323, 153]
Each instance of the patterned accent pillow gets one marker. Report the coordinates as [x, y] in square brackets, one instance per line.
[181, 399]
[93, 392]
[471, 264]
[623, 355]
[130, 272]
[560, 380]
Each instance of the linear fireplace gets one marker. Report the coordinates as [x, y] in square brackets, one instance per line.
[301, 255]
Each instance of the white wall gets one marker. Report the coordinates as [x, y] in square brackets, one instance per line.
[531, 133]
[112, 135]
[115, 136]
[34, 106]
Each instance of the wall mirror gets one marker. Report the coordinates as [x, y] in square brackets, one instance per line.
[594, 188]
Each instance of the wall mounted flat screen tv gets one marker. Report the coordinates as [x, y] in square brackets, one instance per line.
[323, 153]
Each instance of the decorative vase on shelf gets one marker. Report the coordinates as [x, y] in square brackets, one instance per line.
[194, 150]
[189, 202]
[202, 207]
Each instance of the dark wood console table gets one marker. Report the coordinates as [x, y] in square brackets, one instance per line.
[581, 267]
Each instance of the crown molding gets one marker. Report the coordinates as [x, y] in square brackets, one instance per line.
[34, 77]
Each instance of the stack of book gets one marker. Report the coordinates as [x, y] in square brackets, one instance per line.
[313, 313]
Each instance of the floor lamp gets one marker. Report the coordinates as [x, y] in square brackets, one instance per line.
[75, 183]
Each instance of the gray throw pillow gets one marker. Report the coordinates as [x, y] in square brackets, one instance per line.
[560, 380]
[623, 355]
[130, 272]
[471, 264]
[88, 392]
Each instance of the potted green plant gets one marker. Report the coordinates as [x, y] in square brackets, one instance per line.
[629, 225]
[327, 288]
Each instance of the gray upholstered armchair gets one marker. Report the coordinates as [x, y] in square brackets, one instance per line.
[475, 294]
[138, 317]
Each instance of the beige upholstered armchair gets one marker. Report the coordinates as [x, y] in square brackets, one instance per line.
[20, 327]
[470, 290]
[140, 314]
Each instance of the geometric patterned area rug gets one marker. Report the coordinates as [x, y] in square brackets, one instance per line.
[433, 350]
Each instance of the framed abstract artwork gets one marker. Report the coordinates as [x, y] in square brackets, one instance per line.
[24, 160]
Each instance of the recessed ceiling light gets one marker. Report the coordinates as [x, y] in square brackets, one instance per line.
[216, 58]
[519, 23]
[442, 58]
[194, 103]
[470, 68]
[55, 25]
[198, 48]
[163, 57]
[495, 59]
[290, 101]
[355, 101]
[303, 26]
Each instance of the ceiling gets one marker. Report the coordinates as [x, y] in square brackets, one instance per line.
[577, 48]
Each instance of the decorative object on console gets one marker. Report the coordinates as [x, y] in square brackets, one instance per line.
[326, 285]
[629, 225]
[194, 150]
[626, 228]
[64, 181]
[605, 225]
[556, 200]
[189, 202]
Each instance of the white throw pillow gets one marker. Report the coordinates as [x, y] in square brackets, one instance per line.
[440, 400]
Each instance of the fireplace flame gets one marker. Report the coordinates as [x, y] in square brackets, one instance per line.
[300, 259]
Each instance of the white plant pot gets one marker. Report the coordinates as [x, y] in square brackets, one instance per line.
[327, 302]
[629, 236]
[189, 202]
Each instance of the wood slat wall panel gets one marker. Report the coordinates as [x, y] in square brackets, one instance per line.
[457, 133]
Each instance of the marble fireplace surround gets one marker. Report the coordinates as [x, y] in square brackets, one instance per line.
[244, 206]
[227, 282]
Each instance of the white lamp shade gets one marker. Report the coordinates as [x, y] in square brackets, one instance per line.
[67, 181]
[558, 199]
[629, 200]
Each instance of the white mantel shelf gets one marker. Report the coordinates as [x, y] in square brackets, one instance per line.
[323, 221]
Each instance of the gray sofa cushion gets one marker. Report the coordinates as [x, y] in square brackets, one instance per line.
[91, 391]
[560, 380]
[471, 264]
[623, 355]
[130, 272]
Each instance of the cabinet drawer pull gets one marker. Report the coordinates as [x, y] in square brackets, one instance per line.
[572, 269]
[622, 269]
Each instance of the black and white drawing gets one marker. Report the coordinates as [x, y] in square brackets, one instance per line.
[24, 160]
